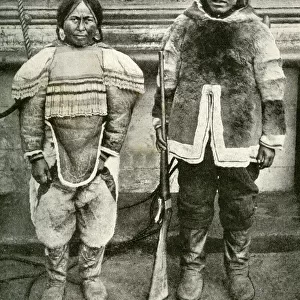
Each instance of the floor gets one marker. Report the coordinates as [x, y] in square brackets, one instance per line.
[275, 258]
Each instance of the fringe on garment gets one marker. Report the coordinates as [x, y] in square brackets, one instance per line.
[121, 71]
[22, 89]
[84, 96]
[124, 81]
[76, 98]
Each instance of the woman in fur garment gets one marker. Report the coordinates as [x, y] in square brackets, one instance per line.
[224, 89]
[78, 95]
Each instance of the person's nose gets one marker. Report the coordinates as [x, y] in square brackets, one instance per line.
[81, 25]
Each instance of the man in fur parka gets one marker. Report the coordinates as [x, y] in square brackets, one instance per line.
[224, 87]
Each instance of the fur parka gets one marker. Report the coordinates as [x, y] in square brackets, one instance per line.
[224, 84]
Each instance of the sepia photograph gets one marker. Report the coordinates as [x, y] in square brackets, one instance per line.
[150, 150]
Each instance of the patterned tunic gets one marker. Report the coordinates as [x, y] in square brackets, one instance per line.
[85, 97]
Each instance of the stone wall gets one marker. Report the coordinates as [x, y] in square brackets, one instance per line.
[136, 27]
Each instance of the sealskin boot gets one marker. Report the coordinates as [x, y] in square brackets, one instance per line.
[192, 263]
[90, 262]
[56, 265]
[236, 260]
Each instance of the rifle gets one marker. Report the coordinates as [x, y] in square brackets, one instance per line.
[159, 283]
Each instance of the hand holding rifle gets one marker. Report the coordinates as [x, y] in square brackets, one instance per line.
[161, 144]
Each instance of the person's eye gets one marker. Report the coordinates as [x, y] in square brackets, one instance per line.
[90, 20]
[73, 19]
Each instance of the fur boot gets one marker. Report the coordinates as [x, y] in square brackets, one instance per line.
[192, 263]
[236, 260]
[90, 262]
[56, 265]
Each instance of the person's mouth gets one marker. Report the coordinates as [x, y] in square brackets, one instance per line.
[219, 2]
[80, 36]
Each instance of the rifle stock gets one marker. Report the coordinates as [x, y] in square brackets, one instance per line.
[159, 283]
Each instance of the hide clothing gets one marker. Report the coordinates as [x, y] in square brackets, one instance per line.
[61, 209]
[66, 83]
[224, 89]
[79, 109]
[198, 184]
[223, 80]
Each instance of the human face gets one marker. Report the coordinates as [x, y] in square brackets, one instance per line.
[80, 27]
[221, 6]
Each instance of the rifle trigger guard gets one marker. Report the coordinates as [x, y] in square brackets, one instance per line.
[158, 216]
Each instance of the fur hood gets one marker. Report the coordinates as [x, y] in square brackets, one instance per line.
[198, 14]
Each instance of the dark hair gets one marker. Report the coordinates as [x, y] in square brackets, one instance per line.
[67, 6]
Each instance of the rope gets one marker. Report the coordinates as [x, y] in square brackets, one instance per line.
[24, 26]
[28, 47]
[10, 110]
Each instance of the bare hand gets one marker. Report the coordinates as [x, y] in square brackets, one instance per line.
[160, 142]
[265, 157]
[40, 171]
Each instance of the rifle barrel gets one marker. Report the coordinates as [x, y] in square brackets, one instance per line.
[164, 176]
